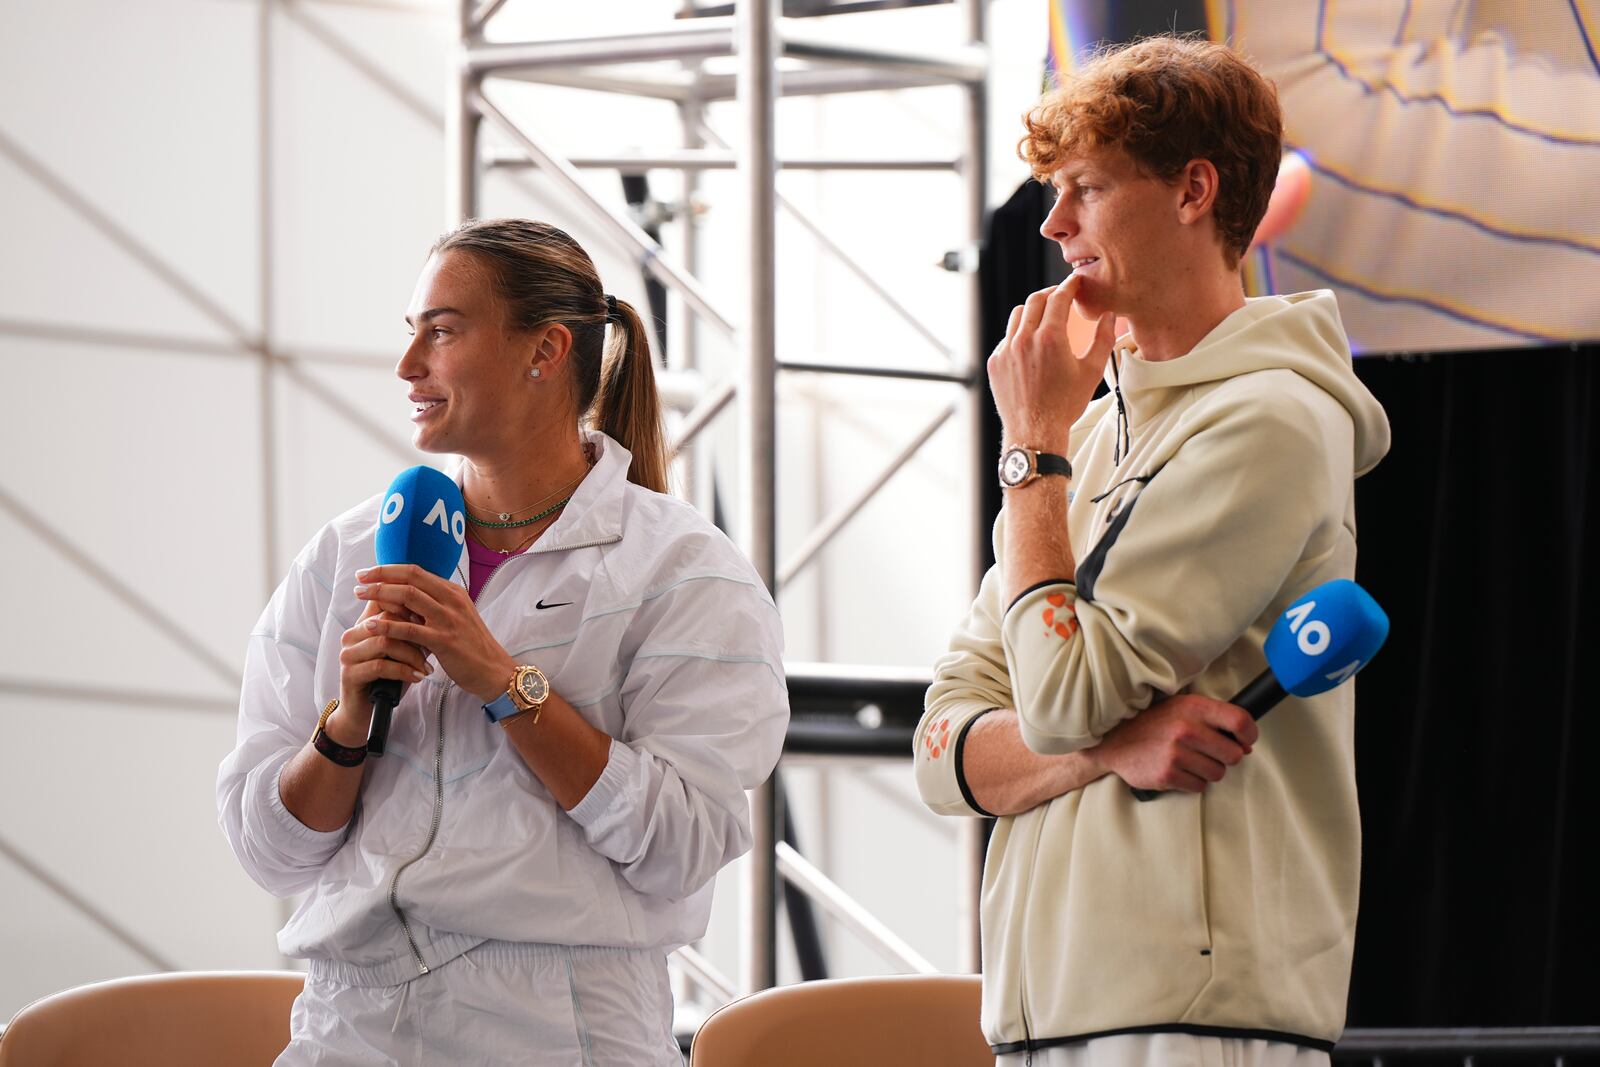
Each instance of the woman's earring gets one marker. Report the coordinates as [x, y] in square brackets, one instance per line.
[534, 373]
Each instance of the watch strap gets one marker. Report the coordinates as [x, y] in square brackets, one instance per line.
[343, 755]
[501, 708]
[1050, 463]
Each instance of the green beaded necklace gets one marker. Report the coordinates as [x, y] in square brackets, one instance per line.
[545, 514]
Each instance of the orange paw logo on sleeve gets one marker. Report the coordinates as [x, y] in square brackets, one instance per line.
[1059, 618]
[937, 739]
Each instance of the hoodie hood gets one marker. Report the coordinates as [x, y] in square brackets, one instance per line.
[1300, 332]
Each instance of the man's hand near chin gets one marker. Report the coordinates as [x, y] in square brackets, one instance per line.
[1184, 742]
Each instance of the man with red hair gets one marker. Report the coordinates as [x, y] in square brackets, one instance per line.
[1148, 541]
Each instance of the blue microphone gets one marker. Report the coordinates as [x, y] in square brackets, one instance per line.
[423, 522]
[1323, 639]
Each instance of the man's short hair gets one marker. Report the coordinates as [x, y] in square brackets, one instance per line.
[1165, 101]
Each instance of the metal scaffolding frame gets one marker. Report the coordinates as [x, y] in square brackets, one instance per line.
[757, 38]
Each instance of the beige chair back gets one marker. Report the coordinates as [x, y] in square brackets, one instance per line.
[172, 1020]
[930, 1020]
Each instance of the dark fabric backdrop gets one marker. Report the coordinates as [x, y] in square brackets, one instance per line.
[1474, 735]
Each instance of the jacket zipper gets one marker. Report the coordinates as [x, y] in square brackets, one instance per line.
[438, 803]
[1022, 976]
[433, 831]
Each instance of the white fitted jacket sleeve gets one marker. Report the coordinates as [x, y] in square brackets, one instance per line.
[279, 852]
[704, 720]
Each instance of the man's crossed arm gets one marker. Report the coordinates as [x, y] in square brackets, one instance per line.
[1178, 743]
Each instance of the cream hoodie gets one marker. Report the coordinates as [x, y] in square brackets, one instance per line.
[1231, 494]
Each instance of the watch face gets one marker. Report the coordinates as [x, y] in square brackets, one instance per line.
[1014, 467]
[533, 687]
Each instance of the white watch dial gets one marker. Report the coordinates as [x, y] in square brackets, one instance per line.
[1015, 467]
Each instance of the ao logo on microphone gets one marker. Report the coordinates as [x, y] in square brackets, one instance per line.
[423, 521]
[454, 524]
[1313, 635]
[1325, 637]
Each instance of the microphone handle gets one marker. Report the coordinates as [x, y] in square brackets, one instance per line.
[385, 694]
[1261, 695]
[1258, 698]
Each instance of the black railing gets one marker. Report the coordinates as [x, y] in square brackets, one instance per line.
[1472, 1047]
[840, 710]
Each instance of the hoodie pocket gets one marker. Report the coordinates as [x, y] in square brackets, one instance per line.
[1120, 895]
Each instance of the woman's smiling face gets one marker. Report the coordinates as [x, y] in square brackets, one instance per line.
[466, 369]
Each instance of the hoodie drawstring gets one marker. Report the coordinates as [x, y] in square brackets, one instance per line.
[1124, 442]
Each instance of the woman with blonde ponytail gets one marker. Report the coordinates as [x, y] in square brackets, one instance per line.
[585, 703]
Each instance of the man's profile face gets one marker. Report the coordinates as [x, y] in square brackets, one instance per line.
[1112, 224]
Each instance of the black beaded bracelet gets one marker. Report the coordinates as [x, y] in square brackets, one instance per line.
[340, 754]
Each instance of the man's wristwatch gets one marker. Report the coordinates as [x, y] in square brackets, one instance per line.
[1020, 465]
[528, 691]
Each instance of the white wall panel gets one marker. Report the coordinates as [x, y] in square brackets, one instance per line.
[127, 820]
[148, 464]
[343, 434]
[358, 171]
[61, 630]
[146, 110]
[63, 273]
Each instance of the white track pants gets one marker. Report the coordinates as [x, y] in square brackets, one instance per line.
[497, 1003]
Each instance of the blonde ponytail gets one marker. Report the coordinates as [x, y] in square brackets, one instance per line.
[627, 408]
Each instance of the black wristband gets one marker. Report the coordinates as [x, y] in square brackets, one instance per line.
[343, 755]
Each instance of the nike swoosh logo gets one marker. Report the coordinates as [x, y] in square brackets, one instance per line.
[541, 605]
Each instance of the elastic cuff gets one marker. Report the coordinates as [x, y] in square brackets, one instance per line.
[606, 788]
[289, 822]
[961, 774]
[1035, 587]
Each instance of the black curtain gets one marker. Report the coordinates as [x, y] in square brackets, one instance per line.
[1472, 738]
[1473, 744]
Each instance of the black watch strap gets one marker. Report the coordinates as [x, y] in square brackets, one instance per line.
[343, 755]
[1050, 463]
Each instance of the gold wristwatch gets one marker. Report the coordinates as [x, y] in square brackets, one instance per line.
[526, 693]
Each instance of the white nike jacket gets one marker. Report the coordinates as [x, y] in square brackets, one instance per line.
[647, 620]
